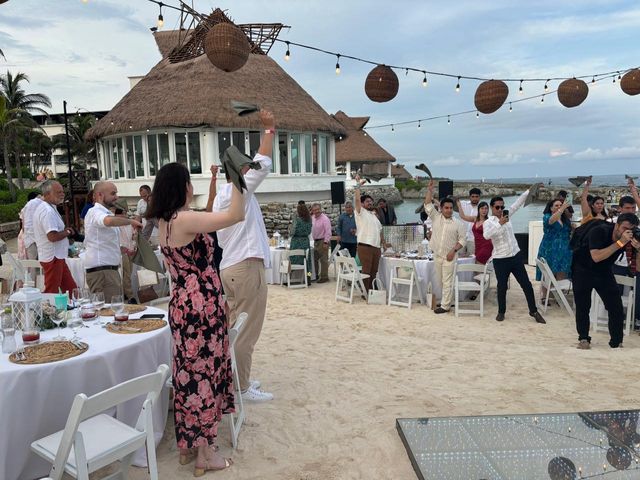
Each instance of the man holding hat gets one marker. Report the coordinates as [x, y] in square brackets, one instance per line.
[102, 241]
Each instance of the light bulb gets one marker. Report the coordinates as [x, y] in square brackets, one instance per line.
[546, 86]
[393, 129]
[419, 125]
[160, 21]
[510, 107]
[542, 99]
[520, 91]
[338, 65]
[448, 120]
[424, 80]
[477, 115]
[288, 54]
[458, 85]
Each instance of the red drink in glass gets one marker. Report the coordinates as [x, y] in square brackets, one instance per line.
[30, 338]
[122, 317]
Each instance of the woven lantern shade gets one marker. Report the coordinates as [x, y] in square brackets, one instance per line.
[227, 47]
[630, 82]
[572, 92]
[490, 96]
[381, 84]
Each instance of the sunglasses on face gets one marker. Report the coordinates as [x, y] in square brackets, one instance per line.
[499, 207]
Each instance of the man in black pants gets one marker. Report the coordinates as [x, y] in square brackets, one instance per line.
[593, 269]
[507, 258]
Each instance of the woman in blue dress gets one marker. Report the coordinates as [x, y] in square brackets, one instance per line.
[554, 247]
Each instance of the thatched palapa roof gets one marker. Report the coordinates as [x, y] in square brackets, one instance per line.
[195, 93]
[358, 146]
[397, 171]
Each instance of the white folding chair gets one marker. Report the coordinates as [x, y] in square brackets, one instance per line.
[332, 258]
[552, 286]
[236, 419]
[287, 268]
[402, 274]
[350, 277]
[35, 270]
[599, 316]
[480, 287]
[92, 439]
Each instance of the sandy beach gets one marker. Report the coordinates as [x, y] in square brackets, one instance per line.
[342, 374]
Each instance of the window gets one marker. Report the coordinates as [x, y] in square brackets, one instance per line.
[163, 148]
[195, 164]
[120, 159]
[224, 142]
[295, 153]
[152, 154]
[314, 154]
[139, 159]
[130, 165]
[283, 150]
[108, 161]
[254, 143]
[238, 141]
[323, 153]
[181, 148]
[308, 157]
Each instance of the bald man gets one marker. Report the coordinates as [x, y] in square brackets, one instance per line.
[102, 242]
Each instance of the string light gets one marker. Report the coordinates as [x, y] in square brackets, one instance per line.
[510, 107]
[287, 55]
[542, 99]
[520, 91]
[449, 119]
[392, 129]
[424, 80]
[419, 126]
[338, 64]
[614, 79]
[458, 84]
[593, 80]
[619, 77]
[160, 17]
[477, 115]
[546, 85]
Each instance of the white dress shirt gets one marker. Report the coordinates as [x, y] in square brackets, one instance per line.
[445, 232]
[502, 236]
[368, 227]
[102, 243]
[28, 214]
[141, 208]
[469, 210]
[247, 239]
[47, 219]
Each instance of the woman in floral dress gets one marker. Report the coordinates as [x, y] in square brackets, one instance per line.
[202, 376]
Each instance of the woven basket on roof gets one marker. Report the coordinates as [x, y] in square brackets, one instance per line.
[490, 96]
[630, 82]
[572, 92]
[227, 47]
[381, 84]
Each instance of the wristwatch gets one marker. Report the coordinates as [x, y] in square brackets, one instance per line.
[271, 131]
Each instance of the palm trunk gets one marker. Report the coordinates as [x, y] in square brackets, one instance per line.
[7, 166]
[19, 167]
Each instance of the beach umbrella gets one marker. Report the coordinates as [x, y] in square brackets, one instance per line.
[227, 47]
[490, 96]
[630, 82]
[381, 84]
[572, 92]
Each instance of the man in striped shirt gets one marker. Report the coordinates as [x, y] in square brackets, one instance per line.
[448, 236]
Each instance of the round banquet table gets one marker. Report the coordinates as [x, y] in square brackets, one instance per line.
[273, 274]
[426, 270]
[35, 399]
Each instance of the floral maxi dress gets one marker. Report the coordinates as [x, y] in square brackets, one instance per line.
[202, 375]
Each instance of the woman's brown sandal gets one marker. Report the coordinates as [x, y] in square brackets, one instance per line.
[200, 471]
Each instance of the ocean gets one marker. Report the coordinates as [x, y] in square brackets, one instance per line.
[598, 180]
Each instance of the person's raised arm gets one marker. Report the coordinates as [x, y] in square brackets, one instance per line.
[253, 178]
[212, 188]
[356, 194]
[269, 125]
[558, 215]
[515, 206]
[600, 254]
[113, 221]
[584, 203]
[634, 191]
[463, 216]
[205, 222]
[428, 201]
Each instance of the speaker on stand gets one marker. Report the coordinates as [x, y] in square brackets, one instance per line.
[445, 189]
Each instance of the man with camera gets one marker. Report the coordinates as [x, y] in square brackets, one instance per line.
[507, 257]
[593, 269]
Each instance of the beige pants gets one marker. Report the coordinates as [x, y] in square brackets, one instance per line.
[444, 273]
[321, 259]
[126, 276]
[107, 281]
[245, 286]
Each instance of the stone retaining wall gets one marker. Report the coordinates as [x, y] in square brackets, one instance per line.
[9, 230]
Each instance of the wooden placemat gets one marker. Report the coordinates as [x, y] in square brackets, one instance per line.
[130, 309]
[136, 326]
[48, 352]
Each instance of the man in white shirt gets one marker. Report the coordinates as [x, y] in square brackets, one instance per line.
[52, 242]
[448, 236]
[245, 257]
[470, 209]
[145, 193]
[127, 248]
[369, 234]
[507, 258]
[28, 214]
[102, 241]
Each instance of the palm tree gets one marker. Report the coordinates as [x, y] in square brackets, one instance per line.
[81, 150]
[37, 145]
[9, 121]
[28, 103]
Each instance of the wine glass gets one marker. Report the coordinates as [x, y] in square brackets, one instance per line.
[117, 303]
[98, 300]
[79, 296]
[75, 324]
[58, 317]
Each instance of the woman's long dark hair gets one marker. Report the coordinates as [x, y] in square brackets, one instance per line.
[550, 203]
[594, 200]
[169, 192]
[480, 205]
[303, 213]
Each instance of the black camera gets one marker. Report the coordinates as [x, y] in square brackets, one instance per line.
[636, 233]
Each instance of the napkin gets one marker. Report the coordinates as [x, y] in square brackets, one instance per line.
[232, 161]
[243, 109]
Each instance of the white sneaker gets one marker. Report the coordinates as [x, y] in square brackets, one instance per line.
[255, 384]
[256, 395]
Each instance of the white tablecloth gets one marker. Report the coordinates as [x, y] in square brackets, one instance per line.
[426, 273]
[273, 273]
[35, 399]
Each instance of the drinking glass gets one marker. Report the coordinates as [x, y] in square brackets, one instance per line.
[75, 323]
[79, 296]
[58, 318]
[117, 303]
[98, 300]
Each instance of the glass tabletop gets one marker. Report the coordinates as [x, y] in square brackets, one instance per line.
[548, 446]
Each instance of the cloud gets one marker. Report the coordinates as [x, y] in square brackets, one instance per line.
[614, 153]
[558, 153]
[116, 60]
[447, 162]
[485, 158]
[582, 24]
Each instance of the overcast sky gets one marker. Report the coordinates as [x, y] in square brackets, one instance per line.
[84, 53]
